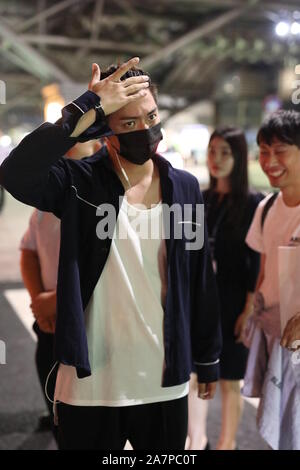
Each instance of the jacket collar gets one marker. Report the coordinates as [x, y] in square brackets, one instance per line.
[165, 169]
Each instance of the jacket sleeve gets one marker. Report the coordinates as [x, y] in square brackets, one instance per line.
[205, 316]
[35, 172]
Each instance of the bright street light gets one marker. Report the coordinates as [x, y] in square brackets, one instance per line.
[295, 28]
[282, 28]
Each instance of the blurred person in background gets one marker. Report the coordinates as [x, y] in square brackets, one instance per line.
[39, 266]
[229, 209]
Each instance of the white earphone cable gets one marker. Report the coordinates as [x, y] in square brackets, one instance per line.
[122, 169]
[46, 384]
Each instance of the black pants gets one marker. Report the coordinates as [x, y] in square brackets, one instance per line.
[160, 425]
[44, 359]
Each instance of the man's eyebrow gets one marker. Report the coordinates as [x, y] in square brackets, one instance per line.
[128, 118]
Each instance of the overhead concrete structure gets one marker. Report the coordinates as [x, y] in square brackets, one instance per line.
[185, 44]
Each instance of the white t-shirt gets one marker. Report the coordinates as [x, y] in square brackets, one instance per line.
[43, 237]
[124, 321]
[280, 225]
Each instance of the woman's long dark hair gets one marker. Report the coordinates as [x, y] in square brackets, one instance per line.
[238, 178]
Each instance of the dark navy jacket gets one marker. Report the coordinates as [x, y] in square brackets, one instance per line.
[35, 173]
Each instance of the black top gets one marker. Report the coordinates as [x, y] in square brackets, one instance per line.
[237, 265]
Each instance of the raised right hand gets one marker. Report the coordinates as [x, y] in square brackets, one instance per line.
[113, 92]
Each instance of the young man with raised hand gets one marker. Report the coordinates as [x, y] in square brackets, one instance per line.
[133, 313]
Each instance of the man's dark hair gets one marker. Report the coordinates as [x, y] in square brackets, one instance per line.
[283, 125]
[133, 72]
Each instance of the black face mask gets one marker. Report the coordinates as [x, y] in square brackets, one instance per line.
[139, 146]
